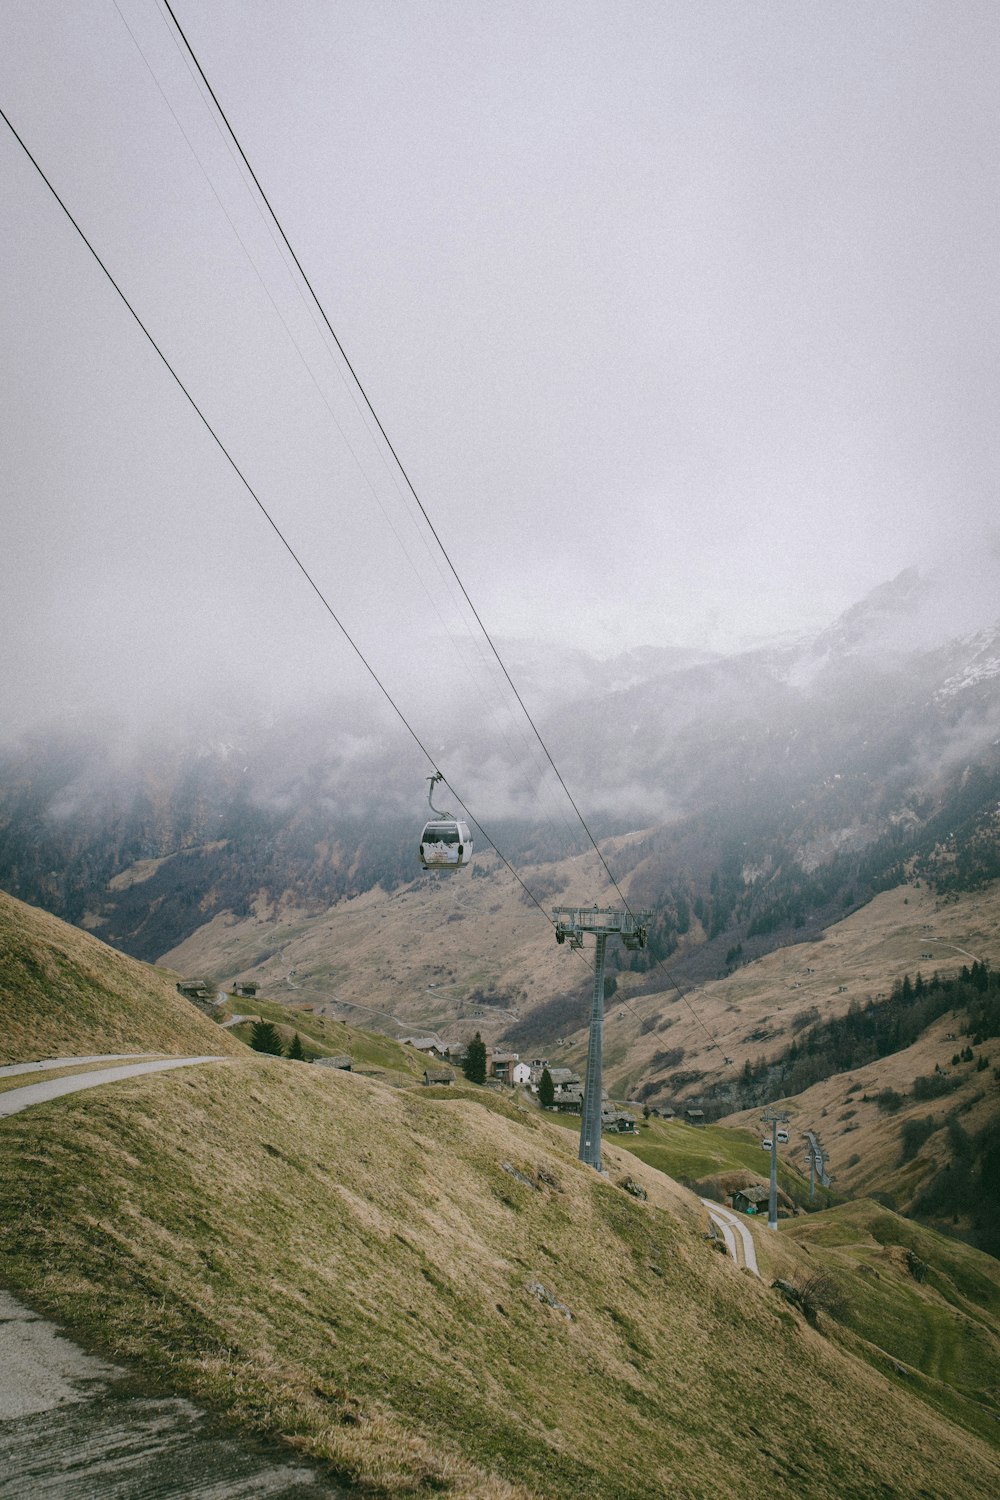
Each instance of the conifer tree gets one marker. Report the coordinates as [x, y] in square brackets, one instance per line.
[546, 1090]
[264, 1038]
[295, 1049]
[474, 1062]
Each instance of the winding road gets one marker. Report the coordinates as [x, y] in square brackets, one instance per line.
[731, 1225]
[14, 1100]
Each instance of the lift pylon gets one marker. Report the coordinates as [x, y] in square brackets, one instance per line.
[572, 922]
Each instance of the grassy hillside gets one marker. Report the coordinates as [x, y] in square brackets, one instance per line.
[695, 1153]
[63, 993]
[888, 1133]
[426, 1290]
[325, 1036]
[928, 1302]
[356, 1269]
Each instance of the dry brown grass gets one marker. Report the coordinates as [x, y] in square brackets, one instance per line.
[386, 950]
[63, 994]
[352, 1268]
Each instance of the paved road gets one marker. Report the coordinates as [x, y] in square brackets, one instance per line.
[726, 1231]
[74, 1428]
[12, 1102]
[727, 1220]
[11, 1070]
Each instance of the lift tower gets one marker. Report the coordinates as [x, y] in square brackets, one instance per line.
[773, 1118]
[572, 922]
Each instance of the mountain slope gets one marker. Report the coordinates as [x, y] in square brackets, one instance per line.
[63, 993]
[775, 787]
[430, 1292]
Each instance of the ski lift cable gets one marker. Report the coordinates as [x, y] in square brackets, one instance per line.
[423, 511]
[420, 531]
[366, 413]
[386, 439]
[435, 554]
[300, 565]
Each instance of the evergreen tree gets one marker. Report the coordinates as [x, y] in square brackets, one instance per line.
[264, 1038]
[295, 1049]
[546, 1090]
[474, 1062]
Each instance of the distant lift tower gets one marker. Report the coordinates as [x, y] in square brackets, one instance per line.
[773, 1118]
[572, 922]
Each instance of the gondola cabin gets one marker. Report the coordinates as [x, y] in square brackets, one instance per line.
[445, 845]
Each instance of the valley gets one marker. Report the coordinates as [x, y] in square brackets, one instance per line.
[424, 1291]
[416, 1283]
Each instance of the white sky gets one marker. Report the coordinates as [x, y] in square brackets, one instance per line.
[683, 318]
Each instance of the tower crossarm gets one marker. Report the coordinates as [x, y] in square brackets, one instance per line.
[604, 921]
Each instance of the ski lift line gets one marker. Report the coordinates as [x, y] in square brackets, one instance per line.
[423, 511]
[385, 437]
[419, 532]
[368, 413]
[268, 221]
[260, 504]
[402, 470]
[212, 433]
[261, 507]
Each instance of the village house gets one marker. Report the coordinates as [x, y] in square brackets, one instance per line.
[194, 989]
[618, 1121]
[500, 1065]
[569, 1099]
[434, 1076]
[562, 1078]
[245, 988]
[750, 1200]
[431, 1044]
[521, 1073]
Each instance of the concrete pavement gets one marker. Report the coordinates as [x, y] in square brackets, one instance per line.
[14, 1100]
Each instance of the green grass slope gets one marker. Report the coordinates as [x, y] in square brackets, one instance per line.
[428, 1291]
[926, 1301]
[324, 1036]
[356, 1269]
[64, 993]
[701, 1153]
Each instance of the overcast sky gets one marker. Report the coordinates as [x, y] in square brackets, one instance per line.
[682, 317]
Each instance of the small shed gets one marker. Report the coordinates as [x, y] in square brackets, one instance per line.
[194, 989]
[749, 1200]
[423, 1043]
[344, 1063]
[569, 1098]
[695, 1116]
[437, 1075]
[246, 987]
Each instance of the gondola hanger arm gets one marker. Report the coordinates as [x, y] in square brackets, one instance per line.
[438, 776]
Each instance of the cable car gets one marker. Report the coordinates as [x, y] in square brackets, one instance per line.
[446, 842]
